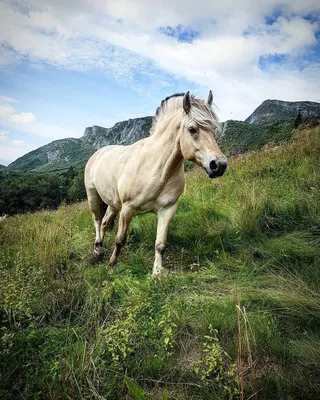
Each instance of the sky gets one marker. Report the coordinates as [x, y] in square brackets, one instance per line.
[69, 64]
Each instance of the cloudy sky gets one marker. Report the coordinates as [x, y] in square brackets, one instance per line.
[68, 64]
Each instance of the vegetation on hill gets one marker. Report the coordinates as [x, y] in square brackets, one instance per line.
[237, 137]
[60, 154]
[20, 193]
[236, 316]
[240, 137]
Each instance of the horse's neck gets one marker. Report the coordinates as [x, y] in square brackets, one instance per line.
[166, 149]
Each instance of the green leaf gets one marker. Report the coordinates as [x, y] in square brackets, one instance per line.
[165, 395]
[137, 392]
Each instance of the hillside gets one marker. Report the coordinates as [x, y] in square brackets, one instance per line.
[277, 110]
[2, 166]
[240, 137]
[236, 136]
[59, 154]
[236, 316]
[64, 153]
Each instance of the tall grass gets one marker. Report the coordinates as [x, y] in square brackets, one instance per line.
[236, 316]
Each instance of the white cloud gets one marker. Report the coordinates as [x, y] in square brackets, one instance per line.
[120, 38]
[7, 99]
[7, 113]
[3, 134]
[24, 117]
[17, 142]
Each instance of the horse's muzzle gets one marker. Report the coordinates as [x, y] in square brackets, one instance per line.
[216, 167]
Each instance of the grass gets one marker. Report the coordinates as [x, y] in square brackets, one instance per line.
[236, 316]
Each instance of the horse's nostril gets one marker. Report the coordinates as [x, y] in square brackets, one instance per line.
[213, 166]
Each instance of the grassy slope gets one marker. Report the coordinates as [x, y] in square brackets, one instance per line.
[241, 137]
[239, 308]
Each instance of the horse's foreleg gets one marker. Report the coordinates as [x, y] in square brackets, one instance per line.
[125, 218]
[164, 217]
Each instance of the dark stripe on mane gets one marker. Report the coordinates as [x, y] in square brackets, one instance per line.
[166, 99]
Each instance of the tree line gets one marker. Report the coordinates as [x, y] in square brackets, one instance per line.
[26, 192]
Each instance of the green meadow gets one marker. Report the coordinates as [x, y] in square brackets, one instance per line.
[235, 316]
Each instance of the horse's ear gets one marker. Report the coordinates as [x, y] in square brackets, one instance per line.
[210, 98]
[186, 103]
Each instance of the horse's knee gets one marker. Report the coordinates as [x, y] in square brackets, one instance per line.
[121, 242]
[160, 247]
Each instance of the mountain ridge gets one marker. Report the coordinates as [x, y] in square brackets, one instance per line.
[280, 110]
[234, 136]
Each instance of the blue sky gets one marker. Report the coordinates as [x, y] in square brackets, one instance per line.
[68, 65]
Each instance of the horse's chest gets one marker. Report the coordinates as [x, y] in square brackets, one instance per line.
[170, 193]
[148, 194]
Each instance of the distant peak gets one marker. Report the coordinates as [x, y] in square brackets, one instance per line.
[280, 110]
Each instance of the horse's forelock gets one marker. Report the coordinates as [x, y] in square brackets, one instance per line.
[201, 112]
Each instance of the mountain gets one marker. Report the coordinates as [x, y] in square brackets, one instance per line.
[2, 166]
[125, 133]
[59, 154]
[239, 137]
[62, 154]
[277, 110]
[271, 122]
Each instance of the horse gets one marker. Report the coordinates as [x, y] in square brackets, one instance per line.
[148, 176]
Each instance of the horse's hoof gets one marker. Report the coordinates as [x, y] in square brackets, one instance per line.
[96, 252]
[98, 249]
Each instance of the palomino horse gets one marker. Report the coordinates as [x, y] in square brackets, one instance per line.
[148, 176]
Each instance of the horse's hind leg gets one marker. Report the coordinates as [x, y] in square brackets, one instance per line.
[97, 208]
[126, 215]
[108, 220]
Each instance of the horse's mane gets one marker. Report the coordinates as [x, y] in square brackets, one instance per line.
[200, 111]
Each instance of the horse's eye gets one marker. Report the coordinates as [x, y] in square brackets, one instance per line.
[192, 130]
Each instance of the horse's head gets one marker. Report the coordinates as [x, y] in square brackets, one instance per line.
[197, 141]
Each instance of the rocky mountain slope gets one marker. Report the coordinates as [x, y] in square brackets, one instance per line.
[59, 154]
[124, 133]
[277, 110]
[271, 122]
[62, 154]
